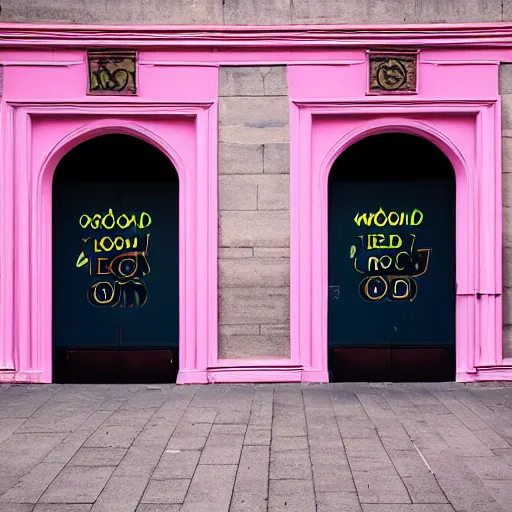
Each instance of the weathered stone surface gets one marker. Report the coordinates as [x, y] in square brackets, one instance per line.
[235, 252]
[506, 143]
[253, 135]
[251, 347]
[254, 12]
[505, 79]
[153, 507]
[291, 495]
[98, 457]
[241, 81]
[54, 507]
[506, 111]
[507, 189]
[257, 12]
[242, 158]
[31, 486]
[254, 112]
[254, 306]
[238, 193]
[276, 330]
[78, 485]
[507, 341]
[506, 11]
[507, 267]
[455, 426]
[179, 12]
[436, 11]
[166, 491]
[212, 483]
[237, 330]
[398, 11]
[275, 80]
[507, 306]
[271, 252]
[276, 158]
[274, 193]
[254, 272]
[329, 11]
[120, 494]
[507, 228]
[250, 229]
[254, 192]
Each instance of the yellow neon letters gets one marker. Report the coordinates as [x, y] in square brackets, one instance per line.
[378, 241]
[110, 221]
[381, 218]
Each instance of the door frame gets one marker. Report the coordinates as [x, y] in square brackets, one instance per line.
[469, 135]
[30, 164]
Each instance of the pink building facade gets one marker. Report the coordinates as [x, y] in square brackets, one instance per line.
[253, 245]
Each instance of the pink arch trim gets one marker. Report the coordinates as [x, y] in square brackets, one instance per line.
[324, 132]
[42, 284]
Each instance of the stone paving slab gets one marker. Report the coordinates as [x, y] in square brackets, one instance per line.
[440, 447]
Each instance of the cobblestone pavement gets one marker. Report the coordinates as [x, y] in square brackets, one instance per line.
[252, 448]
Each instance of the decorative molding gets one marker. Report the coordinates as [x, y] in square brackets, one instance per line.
[29, 35]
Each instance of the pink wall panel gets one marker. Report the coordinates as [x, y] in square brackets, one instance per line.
[45, 111]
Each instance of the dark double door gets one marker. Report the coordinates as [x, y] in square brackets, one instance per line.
[115, 276]
[392, 262]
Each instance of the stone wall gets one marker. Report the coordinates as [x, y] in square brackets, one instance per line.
[506, 96]
[255, 12]
[254, 220]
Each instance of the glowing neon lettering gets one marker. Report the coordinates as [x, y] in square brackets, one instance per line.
[381, 218]
[120, 261]
[110, 221]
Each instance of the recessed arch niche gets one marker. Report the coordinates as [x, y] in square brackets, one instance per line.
[391, 261]
[115, 263]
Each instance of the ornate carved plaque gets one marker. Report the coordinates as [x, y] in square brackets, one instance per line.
[392, 73]
[112, 73]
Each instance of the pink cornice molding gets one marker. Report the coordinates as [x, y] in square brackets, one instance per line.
[481, 35]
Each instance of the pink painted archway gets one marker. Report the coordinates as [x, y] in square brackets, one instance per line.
[175, 135]
[324, 132]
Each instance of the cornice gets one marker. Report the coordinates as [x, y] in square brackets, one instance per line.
[482, 35]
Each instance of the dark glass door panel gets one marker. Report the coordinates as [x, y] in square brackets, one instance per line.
[115, 264]
[391, 251]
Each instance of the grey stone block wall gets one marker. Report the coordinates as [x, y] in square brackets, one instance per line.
[254, 213]
[506, 97]
[256, 12]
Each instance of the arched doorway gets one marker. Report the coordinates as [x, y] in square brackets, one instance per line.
[115, 263]
[391, 216]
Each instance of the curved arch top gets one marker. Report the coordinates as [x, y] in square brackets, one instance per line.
[398, 125]
[96, 128]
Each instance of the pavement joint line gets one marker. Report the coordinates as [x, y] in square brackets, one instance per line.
[201, 450]
[133, 440]
[383, 446]
[345, 449]
[241, 449]
[65, 464]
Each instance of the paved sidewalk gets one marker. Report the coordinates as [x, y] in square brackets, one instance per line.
[256, 448]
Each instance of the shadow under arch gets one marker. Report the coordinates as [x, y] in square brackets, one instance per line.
[391, 273]
[131, 332]
[397, 125]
